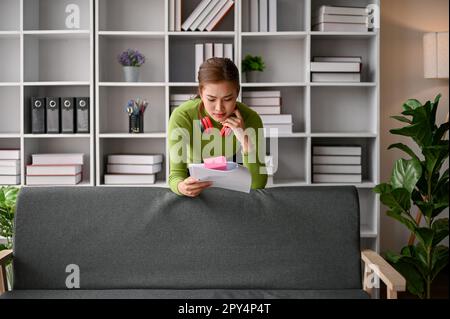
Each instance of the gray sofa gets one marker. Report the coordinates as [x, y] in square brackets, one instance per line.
[296, 242]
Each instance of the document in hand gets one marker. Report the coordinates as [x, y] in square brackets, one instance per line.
[236, 177]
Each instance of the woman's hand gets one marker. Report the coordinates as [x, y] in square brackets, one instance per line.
[192, 187]
[238, 126]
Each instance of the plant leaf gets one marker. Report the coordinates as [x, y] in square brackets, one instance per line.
[425, 236]
[440, 228]
[405, 149]
[382, 188]
[406, 174]
[402, 119]
[405, 221]
[434, 157]
[439, 259]
[398, 200]
[440, 132]
[415, 283]
[411, 104]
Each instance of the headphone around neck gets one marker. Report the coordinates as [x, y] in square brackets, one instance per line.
[206, 124]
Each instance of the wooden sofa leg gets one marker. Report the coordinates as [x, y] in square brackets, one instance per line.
[3, 279]
[367, 272]
[391, 294]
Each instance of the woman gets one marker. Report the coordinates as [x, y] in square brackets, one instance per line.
[215, 114]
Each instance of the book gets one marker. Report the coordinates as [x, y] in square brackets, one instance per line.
[336, 77]
[129, 179]
[276, 119]
[54, 180]
[282, 128]
[199, 58]
[261, 94]
[148, 159]
[236, 177]
[342, 10]
[209, 51]
[228, 51]
[336, 160]
[254, 16]
[10, 154]
[337, 178]
[9, 163]
[273, 16]
[52, 159]
[357, 59]
[254, 101]
[9, 170]
[266, 109]
[335, 18]
[201, 6]
[337, 150]
[220, 4]
[178, 17]
[54, 169]
[335, 67]
[9, 179]
[182, 97]
[133, 169]
[171, 15]
[263, 15]
[203, 14]
[337, 169]
[218, 50]
[220, 15]
[340, 27]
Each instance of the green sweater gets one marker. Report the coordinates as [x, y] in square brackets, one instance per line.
[183, 117]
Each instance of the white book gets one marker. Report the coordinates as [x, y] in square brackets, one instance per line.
[209, 51]
[335, 67]
[337, 160]
[255, 101]
[9, 179]
[357, 59]
[336, 77]
[261, 110]
[337, 169]
[236, 177]
[282, 128]
[335, 18]
[54, 169]
[199, 58]
[182, 97]
[337, 178]
[133, 169]
[203, 15]
[187, 23]
[9, 170]
[277, 119]
[9, 163]
[12, 154]
[228, 51]
[220, 15]
[261, 94]
[337, 150]
[178, 10]
[135, 159]
[54, 180]
[254, 16]
[52, 159]
[340, 27]
[358, 11]
[129, 179]
[171, 15]
[207, 20]
[273, 16]
[218, 50]
[263, 16]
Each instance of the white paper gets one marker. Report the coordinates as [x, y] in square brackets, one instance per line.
[236, 177]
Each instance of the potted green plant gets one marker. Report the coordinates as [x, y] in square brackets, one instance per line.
[421, 182]
[251, 65]
[131, 60]
[8, 197]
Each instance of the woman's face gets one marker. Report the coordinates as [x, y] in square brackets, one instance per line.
[219, 99]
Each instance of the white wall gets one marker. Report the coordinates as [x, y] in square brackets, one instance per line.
[403, 23]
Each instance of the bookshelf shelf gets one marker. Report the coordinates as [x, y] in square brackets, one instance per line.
[269, 35]
[129, 135]
[134, 34]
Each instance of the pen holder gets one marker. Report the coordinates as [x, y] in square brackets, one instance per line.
[136, 123]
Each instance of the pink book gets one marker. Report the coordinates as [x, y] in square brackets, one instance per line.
[219, 162]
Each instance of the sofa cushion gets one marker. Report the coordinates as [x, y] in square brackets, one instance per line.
[186, 294]
[150, 238]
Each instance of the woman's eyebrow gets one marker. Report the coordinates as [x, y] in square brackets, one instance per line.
[229, 95]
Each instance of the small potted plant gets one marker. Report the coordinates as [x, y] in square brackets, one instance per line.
[251, 65]
[131, 60]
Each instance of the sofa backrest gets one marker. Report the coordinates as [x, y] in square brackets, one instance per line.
[277, 238]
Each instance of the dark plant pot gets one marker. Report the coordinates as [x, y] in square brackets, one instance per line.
[252, 76]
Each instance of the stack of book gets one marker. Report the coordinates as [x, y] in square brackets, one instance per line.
[132, 169]
[9, 167]
[177, 99]
[263, 102]
[205, 51]
[263, 15]
[205, 17]
[336, 69]
[341, 19]
[337, 164]
[175, 15]
[281, 122]
[55, 169]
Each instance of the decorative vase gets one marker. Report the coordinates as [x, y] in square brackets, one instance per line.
[131, 73]
[252, 76]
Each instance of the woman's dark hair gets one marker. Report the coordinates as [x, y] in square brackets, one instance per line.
[217, 70]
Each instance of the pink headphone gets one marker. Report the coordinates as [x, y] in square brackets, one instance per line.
[206, 125]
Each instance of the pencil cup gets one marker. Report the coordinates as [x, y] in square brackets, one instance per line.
[136, 123]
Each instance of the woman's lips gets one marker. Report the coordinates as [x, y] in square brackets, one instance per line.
[219, 115]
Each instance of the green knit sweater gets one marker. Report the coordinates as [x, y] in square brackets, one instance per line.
[184, 134]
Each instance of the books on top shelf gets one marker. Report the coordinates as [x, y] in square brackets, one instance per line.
[205, 51]
[263, 102]
[9, 166]
[55, 169]
[336, 69]
[132, 169]
[337, 164]
[341, 19]
[262, 15]
[205, 17]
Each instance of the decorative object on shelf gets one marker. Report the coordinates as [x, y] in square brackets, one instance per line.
[8, 198]
[251, 65]
[131, 60]
[135, 110]
[419, 181]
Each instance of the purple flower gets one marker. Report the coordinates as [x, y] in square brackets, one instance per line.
[131, 57]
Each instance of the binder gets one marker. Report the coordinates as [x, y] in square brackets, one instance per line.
[67, 115]
[82, 114]
[38, 120]
[53, 114]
